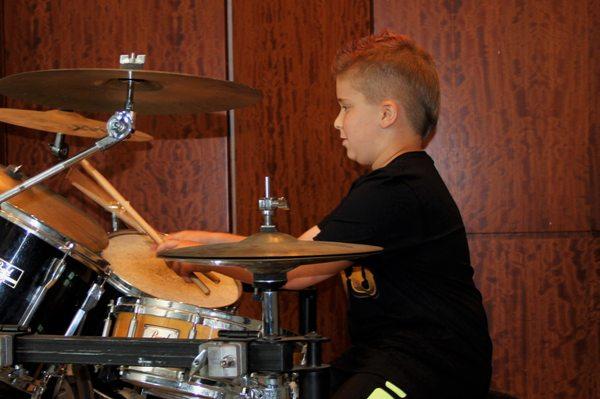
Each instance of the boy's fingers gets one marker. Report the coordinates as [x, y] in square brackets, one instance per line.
[169, 244]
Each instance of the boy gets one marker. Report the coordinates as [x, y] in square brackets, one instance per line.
[416, 319]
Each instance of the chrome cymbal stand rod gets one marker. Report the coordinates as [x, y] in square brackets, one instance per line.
[119, 127]
[101, 144]
[270, 313]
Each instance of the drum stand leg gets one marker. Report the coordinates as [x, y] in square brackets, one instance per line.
[58, 371]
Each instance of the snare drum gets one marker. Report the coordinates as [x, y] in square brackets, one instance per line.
[157, 318]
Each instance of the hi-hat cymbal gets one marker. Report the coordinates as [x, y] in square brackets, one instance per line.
[269, 253]
[105, 90]
[56, 121]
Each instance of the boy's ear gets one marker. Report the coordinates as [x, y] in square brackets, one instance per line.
[390, 111]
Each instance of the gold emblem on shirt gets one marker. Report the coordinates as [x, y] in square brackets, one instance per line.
[360, 280]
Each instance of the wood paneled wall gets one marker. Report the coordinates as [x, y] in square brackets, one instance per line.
[285, 48]
[594, 116]
[517, 145]
[179, 180]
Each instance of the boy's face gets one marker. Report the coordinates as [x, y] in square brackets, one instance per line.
[358, 123]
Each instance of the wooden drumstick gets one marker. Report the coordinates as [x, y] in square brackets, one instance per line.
[106, 185]
[212, 276]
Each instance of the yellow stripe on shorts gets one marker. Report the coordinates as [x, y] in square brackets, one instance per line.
[395, 389]
[379, 393]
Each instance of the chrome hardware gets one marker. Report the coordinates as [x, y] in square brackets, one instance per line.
[93, 296]
[194, 329]
[108, 321]
[121, 124]
[51, 277]
[267, 386]
[199, 362]
[114, 219]
[134, 319]
[132, 61]
[270, 312]
[6, 350]
[267, 205]
[226, 360]
[59, 147]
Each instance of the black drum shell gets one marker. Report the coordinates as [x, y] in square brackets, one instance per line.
[34, 257]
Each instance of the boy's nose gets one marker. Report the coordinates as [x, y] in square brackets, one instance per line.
[337, 123]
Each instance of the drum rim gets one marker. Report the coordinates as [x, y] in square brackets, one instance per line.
[218, 391]
[180, 311]
[59, 241]
[118, 282]
[124, 287]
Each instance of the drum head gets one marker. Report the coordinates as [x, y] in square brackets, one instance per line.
[56, 212]
[133, 261]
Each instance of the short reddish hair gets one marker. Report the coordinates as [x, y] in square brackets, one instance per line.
[388, 65]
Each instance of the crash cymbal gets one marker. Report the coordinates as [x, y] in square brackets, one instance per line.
[56, 121]
[105, 90]
[269, 252]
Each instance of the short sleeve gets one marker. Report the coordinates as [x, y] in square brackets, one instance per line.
[378, 211]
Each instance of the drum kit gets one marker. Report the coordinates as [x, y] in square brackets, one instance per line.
[73, 296]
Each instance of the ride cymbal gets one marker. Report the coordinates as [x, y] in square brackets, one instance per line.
[105, 90]
[56, 121]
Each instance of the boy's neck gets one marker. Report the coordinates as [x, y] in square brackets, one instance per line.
[395, 151]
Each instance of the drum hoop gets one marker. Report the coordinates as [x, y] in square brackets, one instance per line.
[124, 287]
[180, 310]
[57, 240]
[124, 232]
[217, 391]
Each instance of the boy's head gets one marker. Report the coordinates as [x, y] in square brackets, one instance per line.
[390, 66]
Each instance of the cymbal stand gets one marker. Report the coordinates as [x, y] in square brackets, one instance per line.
[270, 283]
[119, 126]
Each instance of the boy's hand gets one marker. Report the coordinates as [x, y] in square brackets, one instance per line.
[171, 243]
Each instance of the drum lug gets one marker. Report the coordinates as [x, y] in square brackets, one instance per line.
[194, 330]
[51, 277]
[108, 321]
[134, 319]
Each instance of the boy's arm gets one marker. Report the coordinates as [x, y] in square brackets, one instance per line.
[307, 275]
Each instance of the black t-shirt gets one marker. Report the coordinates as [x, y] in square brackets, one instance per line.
[415, 302]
